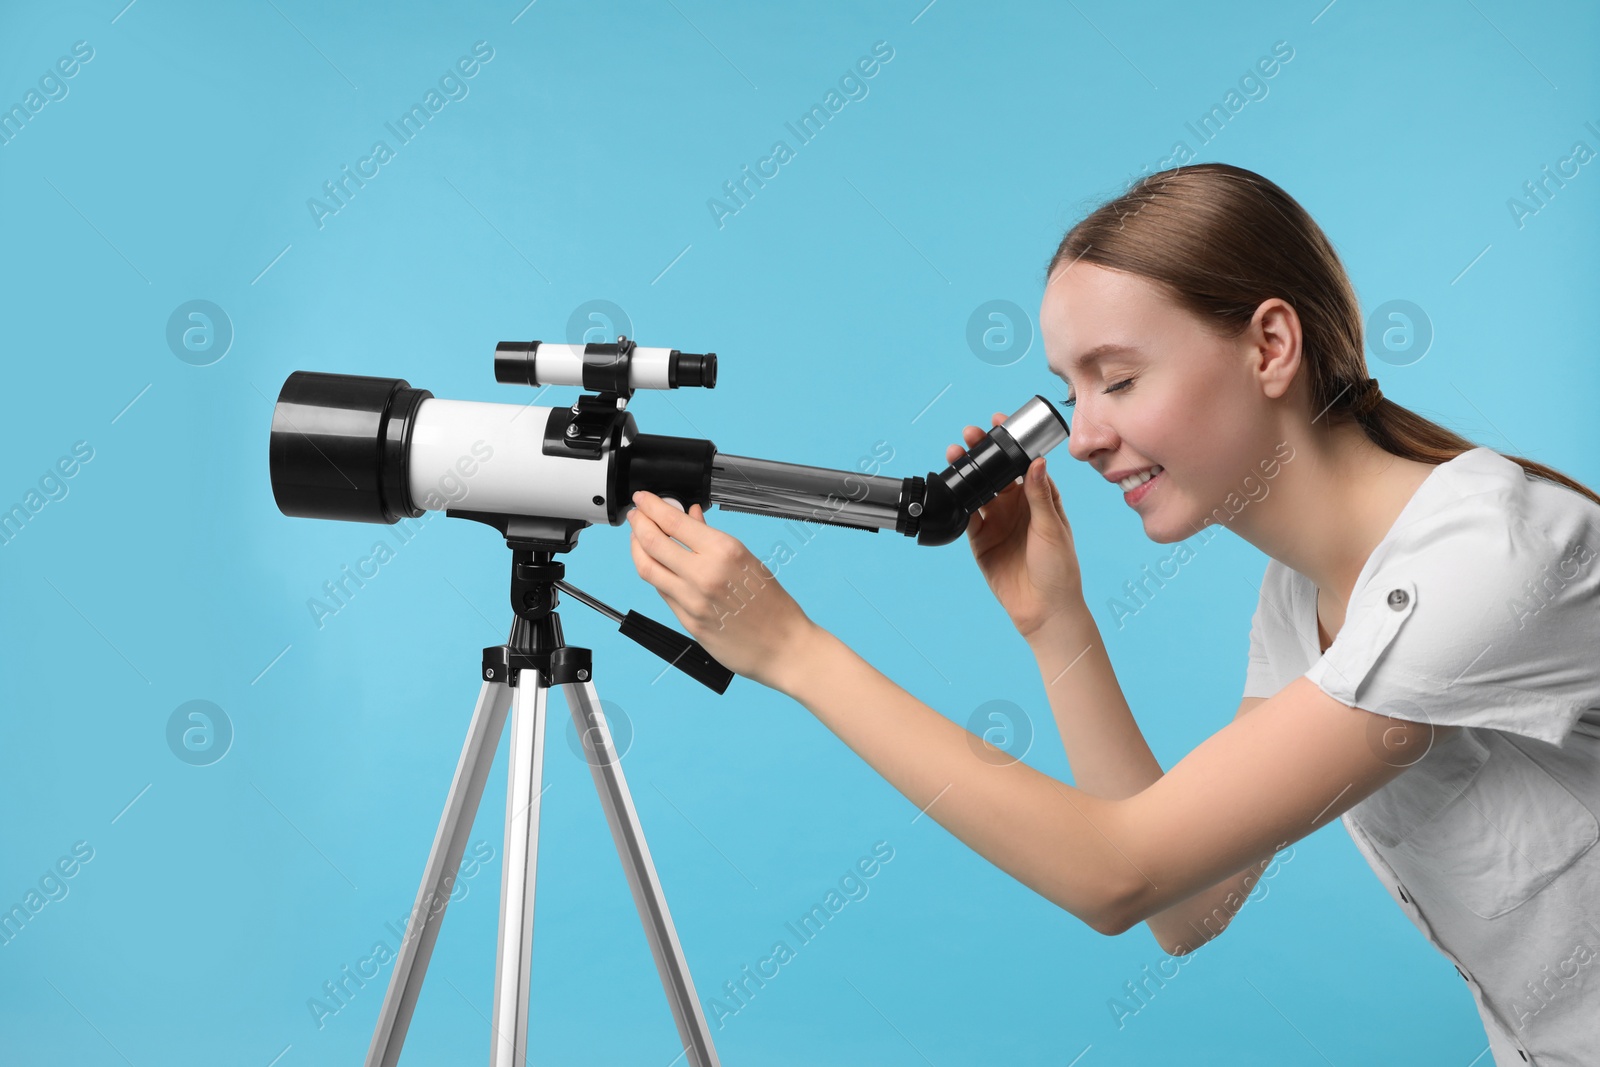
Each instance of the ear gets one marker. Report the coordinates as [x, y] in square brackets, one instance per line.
[1274, 339]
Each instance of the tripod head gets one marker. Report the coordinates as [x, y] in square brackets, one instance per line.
[536, 641]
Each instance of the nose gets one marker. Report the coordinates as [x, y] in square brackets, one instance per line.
[1089, 435]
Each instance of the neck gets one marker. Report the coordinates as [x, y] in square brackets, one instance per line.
[1331, 506]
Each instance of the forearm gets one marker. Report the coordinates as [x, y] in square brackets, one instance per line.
[1057, 840]
[1110, 758]
[1188, 924]
[1105, 748]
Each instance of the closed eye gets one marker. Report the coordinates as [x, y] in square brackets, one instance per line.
[1069, 401]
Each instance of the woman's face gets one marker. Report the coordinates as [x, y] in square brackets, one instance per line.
[1164, 391]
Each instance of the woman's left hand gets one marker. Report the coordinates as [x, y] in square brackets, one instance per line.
[721, 593]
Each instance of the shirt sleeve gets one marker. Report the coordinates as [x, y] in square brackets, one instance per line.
[1260, 679]
[1474, 618]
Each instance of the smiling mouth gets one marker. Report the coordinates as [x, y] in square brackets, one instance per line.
[1143, 486]
[1133, 481]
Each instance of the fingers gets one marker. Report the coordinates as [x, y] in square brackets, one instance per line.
[1055, 499]
[667, 582]
[671, 567]
[696, 536]
[969, 434]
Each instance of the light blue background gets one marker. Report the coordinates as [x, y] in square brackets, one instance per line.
[578, 168]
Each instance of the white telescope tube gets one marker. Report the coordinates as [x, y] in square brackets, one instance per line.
[475, 456]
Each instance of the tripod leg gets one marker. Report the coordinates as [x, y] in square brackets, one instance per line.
[641, 871]
[526, 763]
[438, 877]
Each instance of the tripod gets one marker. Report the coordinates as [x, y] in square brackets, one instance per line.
[518, 676]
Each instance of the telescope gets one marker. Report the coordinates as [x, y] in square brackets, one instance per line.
[369, 449]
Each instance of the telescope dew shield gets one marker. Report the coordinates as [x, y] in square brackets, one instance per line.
[340, 447]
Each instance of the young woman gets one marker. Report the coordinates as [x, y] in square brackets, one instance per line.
[1423, 658]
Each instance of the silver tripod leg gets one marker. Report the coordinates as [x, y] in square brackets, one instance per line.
[514, 952]
[517, 877]
[648, 897]
[438, 877]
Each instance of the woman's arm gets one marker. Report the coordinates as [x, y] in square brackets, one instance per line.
[1105, 748]
[1058, 841]
[1289, 766]
[1110, 758]
[1266, 779]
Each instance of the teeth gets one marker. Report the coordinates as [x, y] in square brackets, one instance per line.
[1134, 481]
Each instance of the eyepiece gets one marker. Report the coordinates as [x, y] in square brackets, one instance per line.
[689, 369]
[513, 362]
[980, 473]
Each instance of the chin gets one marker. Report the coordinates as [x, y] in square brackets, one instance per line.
[1163, 536]
[1163, 531]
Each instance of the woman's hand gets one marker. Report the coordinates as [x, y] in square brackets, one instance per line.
[1023, 544]
[723, 595]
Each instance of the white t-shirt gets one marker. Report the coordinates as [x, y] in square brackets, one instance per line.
[1481, 609]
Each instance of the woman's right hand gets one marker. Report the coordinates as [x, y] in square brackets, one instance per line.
[1022, 542]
